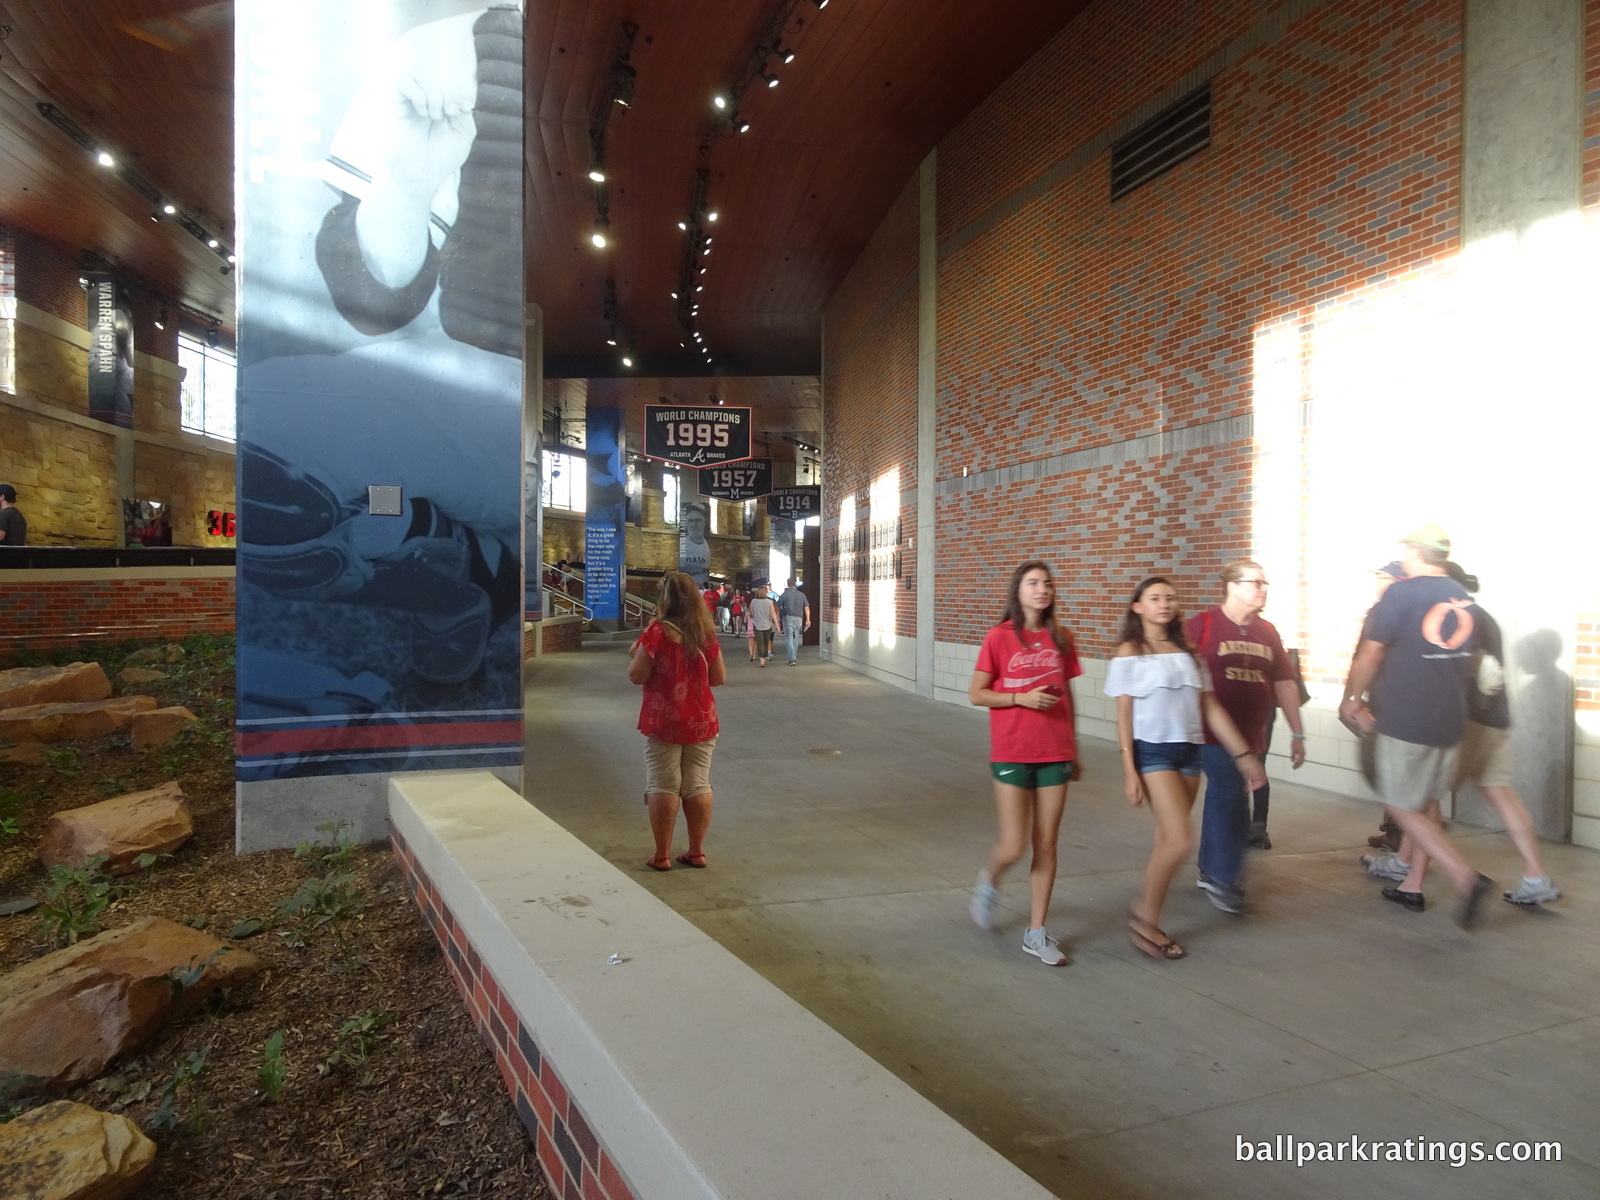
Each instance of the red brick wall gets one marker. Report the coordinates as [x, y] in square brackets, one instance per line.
[564, 636]
[575, 1163]
[40, 615]
[1067, 322]
[1591, 108]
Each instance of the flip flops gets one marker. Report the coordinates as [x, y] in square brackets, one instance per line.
[688, 860]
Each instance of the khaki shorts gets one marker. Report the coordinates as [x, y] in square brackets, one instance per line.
[1409, 775]
[677, 770]
[1485, 757]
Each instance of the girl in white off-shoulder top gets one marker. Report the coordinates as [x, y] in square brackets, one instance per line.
[1163, 693]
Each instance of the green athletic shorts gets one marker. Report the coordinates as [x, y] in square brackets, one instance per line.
[1032, 775]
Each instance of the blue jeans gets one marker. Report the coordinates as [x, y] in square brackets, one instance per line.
[1226, 822]
[791, 636]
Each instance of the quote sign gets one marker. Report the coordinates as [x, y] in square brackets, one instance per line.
[696, 437]
[748, 480]
[795, 503]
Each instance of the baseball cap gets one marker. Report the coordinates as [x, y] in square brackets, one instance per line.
[1430, 536]
[9, 492]
[1392, 568]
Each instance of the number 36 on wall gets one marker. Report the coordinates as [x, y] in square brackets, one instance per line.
[220, 524]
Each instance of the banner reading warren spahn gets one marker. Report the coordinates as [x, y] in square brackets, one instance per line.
[379, 177]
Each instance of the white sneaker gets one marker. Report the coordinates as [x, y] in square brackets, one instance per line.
[1533, 891]
[1041, 943]
[985, 897]
[1386, 866]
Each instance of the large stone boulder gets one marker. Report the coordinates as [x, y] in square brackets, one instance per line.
[53, 685]
[66, 1016]
[69, 1151]
[159, 726]
[63, 722]
[122, 828]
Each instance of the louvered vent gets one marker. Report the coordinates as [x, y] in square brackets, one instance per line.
[1162, 142]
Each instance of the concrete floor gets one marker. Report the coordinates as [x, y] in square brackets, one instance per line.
[1325, 1014]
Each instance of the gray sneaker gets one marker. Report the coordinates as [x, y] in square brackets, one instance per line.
[985, 896]
[1042, 945]
[1533, 891]
[1386, 866]
[1223, 895]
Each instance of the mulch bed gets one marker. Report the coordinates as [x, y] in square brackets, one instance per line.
[424, 1114]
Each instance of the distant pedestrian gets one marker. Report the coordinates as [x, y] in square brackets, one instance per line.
[764, 614]
[1417, 641]
[1252, 677]
[749, 623]
[678, 661]
[724, 616]
[1024, 678]
[1165, 703]
[13, 525]
[796, 612]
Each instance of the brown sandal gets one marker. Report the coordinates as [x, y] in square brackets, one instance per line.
[655, 864]
[688, 860]
[1140, 934]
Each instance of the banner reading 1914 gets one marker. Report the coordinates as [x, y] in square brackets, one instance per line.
[696, 437]
[749, 480]
[795, 503]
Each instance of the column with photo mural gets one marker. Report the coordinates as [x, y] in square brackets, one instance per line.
[605, 511]
[379, 192]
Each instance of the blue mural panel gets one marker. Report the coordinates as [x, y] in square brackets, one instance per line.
[606, 510]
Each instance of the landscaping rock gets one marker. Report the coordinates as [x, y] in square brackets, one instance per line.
[122, 828]
[159, 726]
[69, 1151]
[61, 722]
[138, 676]
[18, 904]
[29, 754]
[53, 685]
[170, 653]
[66, 1016]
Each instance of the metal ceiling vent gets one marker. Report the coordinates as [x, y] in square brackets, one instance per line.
[1162, 142]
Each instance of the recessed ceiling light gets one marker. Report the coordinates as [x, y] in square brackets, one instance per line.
[599, 239]
[105, 160]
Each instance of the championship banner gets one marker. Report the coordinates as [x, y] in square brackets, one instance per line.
[696, 437]
[605, 507]
[795, 503]
[110, 351]
[749, 480]
[379, 195]
[694, 550]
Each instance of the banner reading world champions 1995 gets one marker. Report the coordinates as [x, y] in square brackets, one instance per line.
[379, 192]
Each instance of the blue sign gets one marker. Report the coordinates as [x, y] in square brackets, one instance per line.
[605, 510]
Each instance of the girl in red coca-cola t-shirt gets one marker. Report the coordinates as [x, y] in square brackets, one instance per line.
[678, 661]
[1023, 677]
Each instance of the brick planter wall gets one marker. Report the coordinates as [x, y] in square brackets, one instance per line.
[43, 614]
[575, 1164]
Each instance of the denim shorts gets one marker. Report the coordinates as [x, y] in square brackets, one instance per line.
[1182, 757]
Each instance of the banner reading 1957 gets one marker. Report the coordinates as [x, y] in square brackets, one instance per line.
[795, 503]
[749, 480]
[696, 437]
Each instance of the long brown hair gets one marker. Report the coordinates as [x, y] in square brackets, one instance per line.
[683, 610]
[1133, 623]
[1019, 619]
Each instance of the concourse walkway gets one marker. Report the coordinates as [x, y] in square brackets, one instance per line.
[850, 821]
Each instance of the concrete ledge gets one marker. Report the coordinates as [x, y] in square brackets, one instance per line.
[677, 1072]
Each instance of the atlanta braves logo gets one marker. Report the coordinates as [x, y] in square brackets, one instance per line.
[1433, 624]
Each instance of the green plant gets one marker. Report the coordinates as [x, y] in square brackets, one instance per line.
[328, 856]
[10, 805]
[147, 862]
[272, 1071]
[184, 978]
[115, 786]
[64, 759]
[74, 898]
[10, 1089]
[165, 1119]
[326, 902]
[357, 1039]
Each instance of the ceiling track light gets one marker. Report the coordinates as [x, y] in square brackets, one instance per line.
[772, 80]
[601, 228]
[597, 174]
[784, 54]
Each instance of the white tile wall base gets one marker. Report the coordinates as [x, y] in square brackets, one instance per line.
[1586, 832]
[699, 1077]
[855, 649]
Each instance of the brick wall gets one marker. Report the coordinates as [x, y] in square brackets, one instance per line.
[559, 636]
[41, 614]
[575, 1163]
[1591, 108]
[1070, 327]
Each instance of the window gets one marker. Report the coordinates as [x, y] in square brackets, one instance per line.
[713, 505]
[208, 388]
[669, 497]
[566, 482]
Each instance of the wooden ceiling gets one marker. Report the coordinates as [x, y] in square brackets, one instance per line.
[873, 87]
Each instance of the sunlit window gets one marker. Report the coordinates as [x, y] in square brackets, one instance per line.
[565, 484]
[669, 498]
[208, 397]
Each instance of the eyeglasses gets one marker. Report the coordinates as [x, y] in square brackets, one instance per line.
[1252, 582]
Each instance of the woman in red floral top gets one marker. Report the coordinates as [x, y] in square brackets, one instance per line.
[678, 661]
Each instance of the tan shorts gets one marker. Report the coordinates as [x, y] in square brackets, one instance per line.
[1409, 775]
[677, 770]
[1485, 757]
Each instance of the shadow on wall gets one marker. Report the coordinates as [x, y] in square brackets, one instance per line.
[1542, 740]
